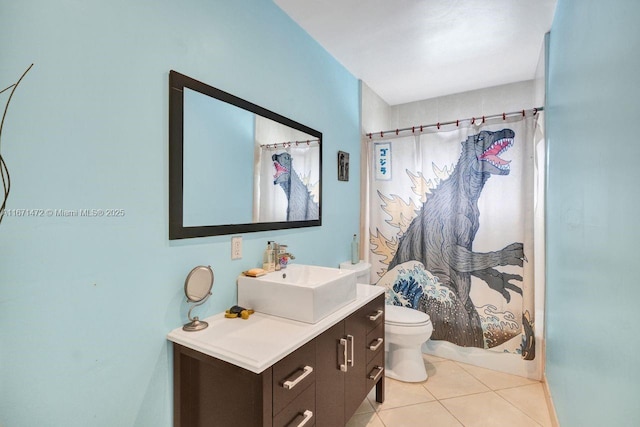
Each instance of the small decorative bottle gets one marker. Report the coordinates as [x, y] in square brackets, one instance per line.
[355, 255]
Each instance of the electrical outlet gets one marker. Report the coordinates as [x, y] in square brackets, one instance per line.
[236, 247]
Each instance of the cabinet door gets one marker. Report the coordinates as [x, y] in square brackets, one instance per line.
[330, 354]
[356, 327]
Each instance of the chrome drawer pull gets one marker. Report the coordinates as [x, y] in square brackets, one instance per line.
[375, 377]
[307, 416]
[291, 384]
[351, 338]
[376, 316]
[343, 366]
[374, 347]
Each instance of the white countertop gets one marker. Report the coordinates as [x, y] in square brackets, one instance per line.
[262, 340]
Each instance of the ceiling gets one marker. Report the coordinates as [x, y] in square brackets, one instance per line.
[411, 50]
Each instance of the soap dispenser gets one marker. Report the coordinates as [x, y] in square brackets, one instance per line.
[268, 263]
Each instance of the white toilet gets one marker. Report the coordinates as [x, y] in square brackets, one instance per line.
[406, 330]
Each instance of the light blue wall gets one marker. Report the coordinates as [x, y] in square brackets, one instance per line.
[593, 208]
[85, 303]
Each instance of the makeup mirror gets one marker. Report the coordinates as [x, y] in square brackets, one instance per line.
[197, 288]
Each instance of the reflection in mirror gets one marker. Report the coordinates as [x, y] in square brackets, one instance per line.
[235, 167]
[218, 161]
[197, 288]
[286, 178]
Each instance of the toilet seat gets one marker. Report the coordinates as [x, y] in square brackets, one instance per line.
[396, 315]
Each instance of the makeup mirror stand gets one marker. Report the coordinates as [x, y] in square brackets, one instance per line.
[197, 288]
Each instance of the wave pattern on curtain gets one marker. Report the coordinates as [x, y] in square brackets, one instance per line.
[451, 230]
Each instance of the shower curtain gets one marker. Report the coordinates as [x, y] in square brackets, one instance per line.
[450, 222]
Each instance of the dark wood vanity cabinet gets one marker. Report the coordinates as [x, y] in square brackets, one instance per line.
[350, 361]
[320, 384]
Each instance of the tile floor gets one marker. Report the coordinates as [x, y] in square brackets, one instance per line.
[457, 395]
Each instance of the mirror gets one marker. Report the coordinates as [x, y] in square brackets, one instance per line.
[197, 288]
[235, 167]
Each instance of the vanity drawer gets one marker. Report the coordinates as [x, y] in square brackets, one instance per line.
[292, 375]
[302, 410]
[375, 342]
[375, 370]
[375, 313]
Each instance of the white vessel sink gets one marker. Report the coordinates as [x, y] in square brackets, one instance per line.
[306, 293]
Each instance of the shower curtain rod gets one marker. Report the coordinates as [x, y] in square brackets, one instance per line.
[420, 128]
[288, 143]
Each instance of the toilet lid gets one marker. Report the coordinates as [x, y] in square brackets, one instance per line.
[397, 315]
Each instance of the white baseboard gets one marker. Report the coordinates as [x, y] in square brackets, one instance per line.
[550, 406]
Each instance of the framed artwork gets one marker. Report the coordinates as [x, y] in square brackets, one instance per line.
[343, 166]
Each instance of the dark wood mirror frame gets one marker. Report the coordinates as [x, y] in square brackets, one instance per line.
[177, 230]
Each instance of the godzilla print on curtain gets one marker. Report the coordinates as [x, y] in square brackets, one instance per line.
[451, 229]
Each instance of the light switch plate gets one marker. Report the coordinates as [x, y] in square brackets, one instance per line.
[236, 247]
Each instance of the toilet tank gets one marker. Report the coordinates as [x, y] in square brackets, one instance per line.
[362, 269]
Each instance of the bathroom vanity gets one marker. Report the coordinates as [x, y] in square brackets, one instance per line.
[271, 371]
